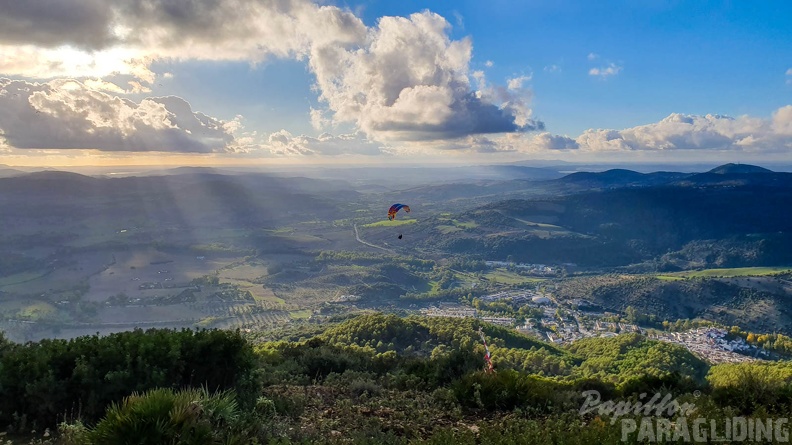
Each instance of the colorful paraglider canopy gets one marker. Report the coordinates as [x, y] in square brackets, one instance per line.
[395, 208]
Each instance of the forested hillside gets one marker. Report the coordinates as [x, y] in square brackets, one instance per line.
[758, 303]
[748, 224]
[371, 379]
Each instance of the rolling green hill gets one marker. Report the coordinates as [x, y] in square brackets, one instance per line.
[427, 387]
[759, 303]
[625, 226]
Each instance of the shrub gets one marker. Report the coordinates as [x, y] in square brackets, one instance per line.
[160, 416]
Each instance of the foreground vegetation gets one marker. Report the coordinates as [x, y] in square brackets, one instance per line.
[371, 379]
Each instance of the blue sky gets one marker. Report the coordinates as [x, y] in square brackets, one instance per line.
[498, 80]
[694, 57]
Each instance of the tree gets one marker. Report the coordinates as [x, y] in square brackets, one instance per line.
[631, 314]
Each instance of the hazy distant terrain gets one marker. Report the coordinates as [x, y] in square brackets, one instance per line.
[205, 247]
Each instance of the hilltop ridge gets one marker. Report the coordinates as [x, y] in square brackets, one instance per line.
[732, 168]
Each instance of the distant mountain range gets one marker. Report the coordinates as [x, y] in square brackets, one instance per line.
[621, 217]
[7, 172]
[637, 215]
[730, 169]
[724, 175]
[619, 178]
[523, 184]
[206, 199]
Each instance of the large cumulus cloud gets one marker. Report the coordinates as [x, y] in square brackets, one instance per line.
[208, 29]
[284, 143]
[52, 23]
[66, 114]
[677, 132]
[694, 132]
[402, 79]
[409, 81]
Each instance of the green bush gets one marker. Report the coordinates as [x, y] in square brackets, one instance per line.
[164, 416]
[507, 390]
[74, 433]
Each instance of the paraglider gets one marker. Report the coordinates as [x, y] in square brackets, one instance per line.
[395, 208]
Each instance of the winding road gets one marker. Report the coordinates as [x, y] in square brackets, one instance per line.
[357, 237]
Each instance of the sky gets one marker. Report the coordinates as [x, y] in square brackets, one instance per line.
[273, 82]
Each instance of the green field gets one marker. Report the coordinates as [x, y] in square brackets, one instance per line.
[506, 277]
[445, 229]
[465, 225]
[455, 226]
[394, 223]
[298, 315]
[37, 311]
[669, 278]
[736, 272]
[260, 293]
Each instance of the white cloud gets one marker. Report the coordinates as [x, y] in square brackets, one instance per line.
[677, 132]
[65, 61]
[402, 79]
[68, 114]
[416, 91]
[593, 56]
[516, 83]
[4, 147]
[101, 85]
[489, 64]
[460, 20]
[782, 121]
[49, 24]
[137, 87]
[547, 141]
[789, 76]
[318, 119]
[604, 72]
[46, 39]
[552, 68]
[691, 132]
[110, 87]
[284, 143]
[515, 143]
[463, 145]
[483, 144]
